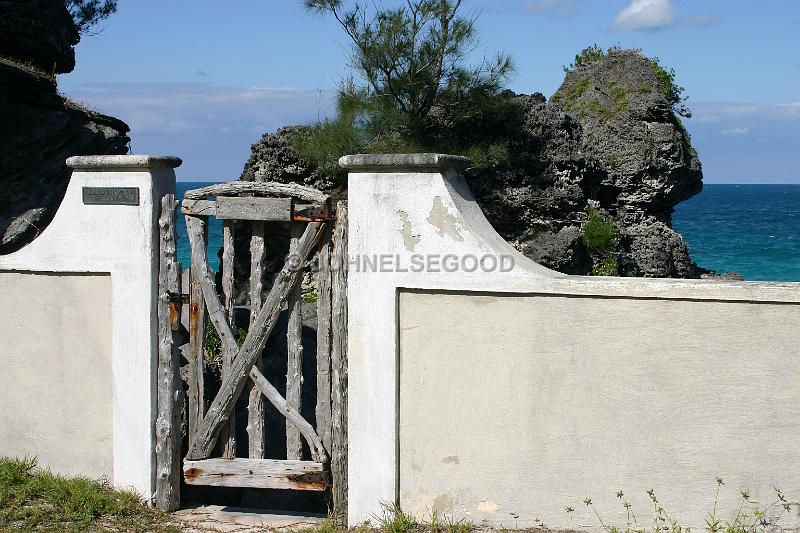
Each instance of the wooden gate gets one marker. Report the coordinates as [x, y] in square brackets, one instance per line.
[316, 230]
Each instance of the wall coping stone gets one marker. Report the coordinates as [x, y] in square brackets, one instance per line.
[404, 162]
[103, 162]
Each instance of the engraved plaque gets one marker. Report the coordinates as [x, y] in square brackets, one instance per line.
[111, 195]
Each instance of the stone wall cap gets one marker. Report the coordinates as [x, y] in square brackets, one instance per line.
[404, 162]
[103, 162]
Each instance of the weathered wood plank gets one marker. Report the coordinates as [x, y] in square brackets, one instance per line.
[254, 208]
[230, 389]
[256, 407]
[168, 426]
[318, 452]
[294, 345]
[323, 407]
[200, 207]
[339, 362]
[196, 231]
[257, 473]
[228, 432]
[235, 188]
[196, 355]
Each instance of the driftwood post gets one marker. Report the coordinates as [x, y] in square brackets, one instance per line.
[228, 433]
[255, 408]
[168, 427]
[196, 376]
[294, 343]
[323, 408]
[339, 362]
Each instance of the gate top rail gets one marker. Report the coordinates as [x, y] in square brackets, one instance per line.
[263, 188]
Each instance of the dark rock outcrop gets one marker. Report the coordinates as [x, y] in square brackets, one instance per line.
[40, 128]
[38, 33]
[607, 140]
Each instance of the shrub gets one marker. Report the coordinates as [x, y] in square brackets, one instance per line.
[606, 267]
[587, 56]
[599, 234]
[673, 91]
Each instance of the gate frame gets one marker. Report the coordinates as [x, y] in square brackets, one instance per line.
[206, 429]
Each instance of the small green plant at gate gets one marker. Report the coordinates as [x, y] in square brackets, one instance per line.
[212, 344]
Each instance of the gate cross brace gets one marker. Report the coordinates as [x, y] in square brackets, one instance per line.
[202, 444]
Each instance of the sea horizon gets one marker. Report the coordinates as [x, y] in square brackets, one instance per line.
[752, 229]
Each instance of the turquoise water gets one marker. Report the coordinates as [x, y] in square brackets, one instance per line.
[750, 229]
[214, 231]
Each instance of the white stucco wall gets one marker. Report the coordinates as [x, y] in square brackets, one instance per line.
[121, 241]
[55, 364]
[525, 404]
[403, 207]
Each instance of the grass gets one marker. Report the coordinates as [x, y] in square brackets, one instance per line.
[394, 520]
[34, 499]
[29, 67]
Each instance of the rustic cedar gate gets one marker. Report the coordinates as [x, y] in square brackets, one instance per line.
[315, 228]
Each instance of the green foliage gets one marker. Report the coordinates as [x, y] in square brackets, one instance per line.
[394, 520]
[412, 91]
[567, 100]
[673, 91]
[749, 517]
[664, 76]
[607, 267]
[599, 234]
[587, 56]
[32, 499]
[87, 13]
[212, 343]
[410, 59]
[310, 296]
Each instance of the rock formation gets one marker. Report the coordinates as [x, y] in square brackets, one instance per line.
[607, 140]
[40, 127]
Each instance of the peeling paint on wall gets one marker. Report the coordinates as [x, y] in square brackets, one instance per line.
[445, 223]
[410, 239]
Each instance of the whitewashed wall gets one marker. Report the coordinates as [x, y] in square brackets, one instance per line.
[506, 396]
[95, 270]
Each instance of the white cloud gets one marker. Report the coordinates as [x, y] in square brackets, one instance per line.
[736, 131]
[709, 112]
[156, 107]
[210, 126]
[646, 15]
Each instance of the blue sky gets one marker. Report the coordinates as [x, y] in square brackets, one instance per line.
[203, 79]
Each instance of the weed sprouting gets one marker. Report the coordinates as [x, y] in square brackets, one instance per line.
[444, 523]
[750, 516]
[393, 519]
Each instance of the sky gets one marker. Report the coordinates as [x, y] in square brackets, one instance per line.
[204, 79]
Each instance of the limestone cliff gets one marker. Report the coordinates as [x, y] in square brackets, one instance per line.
[40, 128]
[607, 140]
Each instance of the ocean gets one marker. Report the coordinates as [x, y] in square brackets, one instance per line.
[750, 229]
